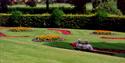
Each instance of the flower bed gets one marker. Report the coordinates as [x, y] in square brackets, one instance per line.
[20, 29]
[63, 31]
[102, 32]
[114, 38]
[2, 35]
[48, 38]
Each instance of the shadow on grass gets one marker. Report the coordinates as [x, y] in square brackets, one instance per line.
[116, 47]
[119, 46]
[103, 45]
[63, 45]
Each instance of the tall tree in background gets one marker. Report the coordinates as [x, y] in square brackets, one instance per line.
[31, 3]
[3, 5]
[79, 4]
[121, 5]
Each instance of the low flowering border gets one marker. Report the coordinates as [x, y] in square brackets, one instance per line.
[113, 38]
[20, 29]
[2, 34]
[48, 38]
[102, 32]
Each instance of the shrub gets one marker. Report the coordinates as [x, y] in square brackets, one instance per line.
[40, 10]
[101, 14]
[15, 17]
[116, 23]
[3, 20]
[110, 6]
[16, 13]
[57, 16]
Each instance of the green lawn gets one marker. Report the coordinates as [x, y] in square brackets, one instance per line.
[24, 50]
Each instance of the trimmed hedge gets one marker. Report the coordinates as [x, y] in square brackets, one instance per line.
[40, 10]
[86, 22]
[28, 21]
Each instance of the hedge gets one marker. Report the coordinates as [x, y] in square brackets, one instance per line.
[40, 10]
[83, 22]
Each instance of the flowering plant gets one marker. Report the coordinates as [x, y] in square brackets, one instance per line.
[48, 38]
[20, 29]
[102, 32]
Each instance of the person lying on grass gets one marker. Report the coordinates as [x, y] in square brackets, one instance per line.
[82, 45]
[86, 46]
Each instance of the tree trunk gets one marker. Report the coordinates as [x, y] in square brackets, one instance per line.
[47, 5]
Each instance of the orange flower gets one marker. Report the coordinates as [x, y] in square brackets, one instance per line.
[103, 31]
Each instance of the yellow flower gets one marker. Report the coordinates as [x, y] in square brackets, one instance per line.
[48, 37]
[20, 29]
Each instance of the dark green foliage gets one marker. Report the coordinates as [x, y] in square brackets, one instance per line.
[109, 23]
[101, 14]
[15, 17]
[109, 6]
[16, 13]
[28, 21]
[57, 16]
[3, 20]
[39, 10]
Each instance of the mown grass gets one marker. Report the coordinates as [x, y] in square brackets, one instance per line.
[24, 50]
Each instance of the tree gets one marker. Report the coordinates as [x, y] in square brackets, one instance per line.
[121, 5]
[79, 4]
[3, 5]
[31, 3]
